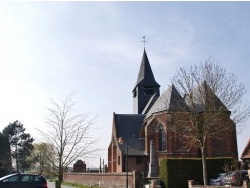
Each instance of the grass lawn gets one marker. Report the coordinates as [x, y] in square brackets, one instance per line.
[79, 186]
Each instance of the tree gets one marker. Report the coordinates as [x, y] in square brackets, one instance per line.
[5, 160]
[20, 143]
[69, 135]
[43, 151]
[212, 95]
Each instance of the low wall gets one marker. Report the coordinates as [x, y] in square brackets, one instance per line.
[107, 180]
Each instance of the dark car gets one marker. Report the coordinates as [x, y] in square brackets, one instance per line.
[23, 181]
[217, 179]
[235, 178]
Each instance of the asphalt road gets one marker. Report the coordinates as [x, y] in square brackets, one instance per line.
[52, 185]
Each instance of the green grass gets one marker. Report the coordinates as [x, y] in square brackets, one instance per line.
[79, 186]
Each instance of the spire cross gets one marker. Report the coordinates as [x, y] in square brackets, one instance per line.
[144, 41]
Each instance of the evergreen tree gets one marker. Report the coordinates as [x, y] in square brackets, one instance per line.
[5, 159]
[20, 144]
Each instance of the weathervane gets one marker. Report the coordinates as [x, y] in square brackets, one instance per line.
[144, 41]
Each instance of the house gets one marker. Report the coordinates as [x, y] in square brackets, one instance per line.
[149, 122]
[245, 156]
[79, 166]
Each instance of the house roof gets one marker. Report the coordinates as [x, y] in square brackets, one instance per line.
[145, 76]
[79, 162]
[127, 127]
[246, 152]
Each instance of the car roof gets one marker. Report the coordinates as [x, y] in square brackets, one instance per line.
[9, 175]
[29, 174]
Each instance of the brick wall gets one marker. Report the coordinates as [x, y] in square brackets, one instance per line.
[141, 166]
[174, 145]
[107, 180]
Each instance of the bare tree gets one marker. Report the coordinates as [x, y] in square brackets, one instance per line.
[213, 105]
[69, 136]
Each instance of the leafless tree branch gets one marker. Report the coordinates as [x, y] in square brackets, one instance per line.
[69, 135]
[216, 105]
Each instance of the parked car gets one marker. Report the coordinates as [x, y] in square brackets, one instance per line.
[217, 179]
[23, 181]
[235, 178]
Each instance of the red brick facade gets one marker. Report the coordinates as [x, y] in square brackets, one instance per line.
[226, 146]
[222, 146]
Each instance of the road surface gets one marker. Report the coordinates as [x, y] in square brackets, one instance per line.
[52, 185]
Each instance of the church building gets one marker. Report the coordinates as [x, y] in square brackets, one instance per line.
[132, 133]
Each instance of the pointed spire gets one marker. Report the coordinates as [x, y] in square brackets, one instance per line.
[146, 76]
[145, 86]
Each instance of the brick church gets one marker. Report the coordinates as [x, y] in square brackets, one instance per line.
[149, 121]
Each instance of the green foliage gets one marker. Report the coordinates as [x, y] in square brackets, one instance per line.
[79, 186]
[20, 144]
[5, 160]
[42, 158]
[163, 173]
[217, 165]
[177, 172]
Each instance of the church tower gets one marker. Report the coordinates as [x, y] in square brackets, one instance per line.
[145, 87]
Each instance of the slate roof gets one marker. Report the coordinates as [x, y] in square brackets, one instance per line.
[208, 95]
[136, 146]
[145, 76]
[170, 100]
[127, 127]
[150, 103]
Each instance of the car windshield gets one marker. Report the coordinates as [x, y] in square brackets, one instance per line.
[6, 176]
[217, 176]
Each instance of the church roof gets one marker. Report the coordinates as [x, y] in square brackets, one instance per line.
[135, 146]
[170, 100]
[127, 127]
[145, 76]
[150, 103]
[204, 96]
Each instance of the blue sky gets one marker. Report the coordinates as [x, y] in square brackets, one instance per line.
[51, 49]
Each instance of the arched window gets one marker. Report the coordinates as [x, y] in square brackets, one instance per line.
[162, 138]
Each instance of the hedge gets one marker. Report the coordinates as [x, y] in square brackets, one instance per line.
[175, 172]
